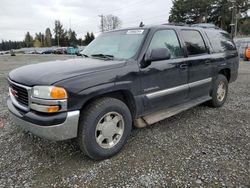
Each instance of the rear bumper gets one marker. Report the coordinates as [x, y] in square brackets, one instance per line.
[61, 131]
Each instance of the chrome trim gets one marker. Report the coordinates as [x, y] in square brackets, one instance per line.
[177, 89]
[200, 82]
[66, 130]
[15, 102]
[167, 91]
[62, 103]
[42, 108]
[20, 85]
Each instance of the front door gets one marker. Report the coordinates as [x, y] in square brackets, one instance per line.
[164, 83]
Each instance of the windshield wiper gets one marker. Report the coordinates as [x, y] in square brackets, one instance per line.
[84, 55]
[106, 56]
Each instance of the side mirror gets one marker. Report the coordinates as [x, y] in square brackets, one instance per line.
[158, 54]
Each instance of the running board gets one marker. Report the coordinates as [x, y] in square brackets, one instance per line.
[163, 114]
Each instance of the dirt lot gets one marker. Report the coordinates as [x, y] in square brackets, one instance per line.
[202, 147]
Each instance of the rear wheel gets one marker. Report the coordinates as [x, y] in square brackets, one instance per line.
[219, 92]
[104, 128]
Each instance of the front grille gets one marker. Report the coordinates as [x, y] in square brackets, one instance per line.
[21, 94]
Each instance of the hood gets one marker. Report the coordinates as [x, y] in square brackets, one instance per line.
[49, 73]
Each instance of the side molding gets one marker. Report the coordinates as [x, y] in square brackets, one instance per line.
[178, 88]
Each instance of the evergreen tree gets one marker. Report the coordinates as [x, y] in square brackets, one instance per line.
[48, 38]
[28, 40]
[244, 27]
[88, 38]
[219, 12]
[72, 38]
[92, 36]
[60, 34]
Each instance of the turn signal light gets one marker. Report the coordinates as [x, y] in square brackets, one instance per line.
[52, 109]
[58, 93]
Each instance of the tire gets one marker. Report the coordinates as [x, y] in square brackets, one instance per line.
[103, 121]
[218, 95]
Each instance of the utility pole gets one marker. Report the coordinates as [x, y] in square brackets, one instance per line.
[58, 39]
[236, 19]
[234, 22]
[102, 24]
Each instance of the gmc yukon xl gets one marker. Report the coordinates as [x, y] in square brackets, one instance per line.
[135, 76]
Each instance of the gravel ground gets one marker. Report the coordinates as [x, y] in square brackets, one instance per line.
[201, 147]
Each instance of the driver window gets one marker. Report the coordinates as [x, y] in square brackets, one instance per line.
[167, 39]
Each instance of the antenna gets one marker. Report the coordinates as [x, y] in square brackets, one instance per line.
[141, 24]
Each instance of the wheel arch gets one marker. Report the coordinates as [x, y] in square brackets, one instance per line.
[122, 94]
[226, 72]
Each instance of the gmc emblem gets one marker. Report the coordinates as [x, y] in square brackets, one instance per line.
[13, 92]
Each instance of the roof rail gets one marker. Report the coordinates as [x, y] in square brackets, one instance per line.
[205, 25]
[176, 24]
[201, 25]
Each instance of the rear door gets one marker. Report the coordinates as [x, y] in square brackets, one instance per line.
[164, 83]
[199, 63]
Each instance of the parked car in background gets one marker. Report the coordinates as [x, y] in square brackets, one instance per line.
[247, 54]
[72, 51]
[48, 51]
[33, 52]
[80, 49]
[59, 51]
[242, 50]
[12, 53]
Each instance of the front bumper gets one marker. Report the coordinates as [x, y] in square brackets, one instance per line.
[61, 131]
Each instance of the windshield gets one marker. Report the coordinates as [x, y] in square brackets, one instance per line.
[118, 44]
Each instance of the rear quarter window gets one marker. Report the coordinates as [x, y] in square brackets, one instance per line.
[220, 41]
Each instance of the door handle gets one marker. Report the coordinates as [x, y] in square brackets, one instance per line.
[183, 66]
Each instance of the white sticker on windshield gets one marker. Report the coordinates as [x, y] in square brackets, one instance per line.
[135, 32]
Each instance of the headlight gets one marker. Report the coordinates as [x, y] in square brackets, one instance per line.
[49, 92]
[48, 99]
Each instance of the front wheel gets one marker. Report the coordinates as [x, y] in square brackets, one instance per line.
[219, 91]
[104, 128]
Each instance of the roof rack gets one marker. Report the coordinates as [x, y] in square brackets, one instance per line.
[205, 25]
[201, 25]
[176, 24]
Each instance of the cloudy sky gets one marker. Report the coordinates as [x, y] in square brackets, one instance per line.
[19, 16]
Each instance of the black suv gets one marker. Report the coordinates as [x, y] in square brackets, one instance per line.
[130, 76]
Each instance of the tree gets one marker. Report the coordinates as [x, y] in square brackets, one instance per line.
[220, 12]
[48, 38]
[60, 34]
[92, 36]
[8, 45]
[37, 43]
[28, 40]
[110, 22]
[244, 27]
[72, 38]
[41, 38]
[88, 38]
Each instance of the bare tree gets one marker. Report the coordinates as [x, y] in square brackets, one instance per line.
[110, 22]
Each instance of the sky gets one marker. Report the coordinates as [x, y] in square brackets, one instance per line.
[19, 16]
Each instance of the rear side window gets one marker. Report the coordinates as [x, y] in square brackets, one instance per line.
[194, 42]
[220, 41]
[167, 39]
